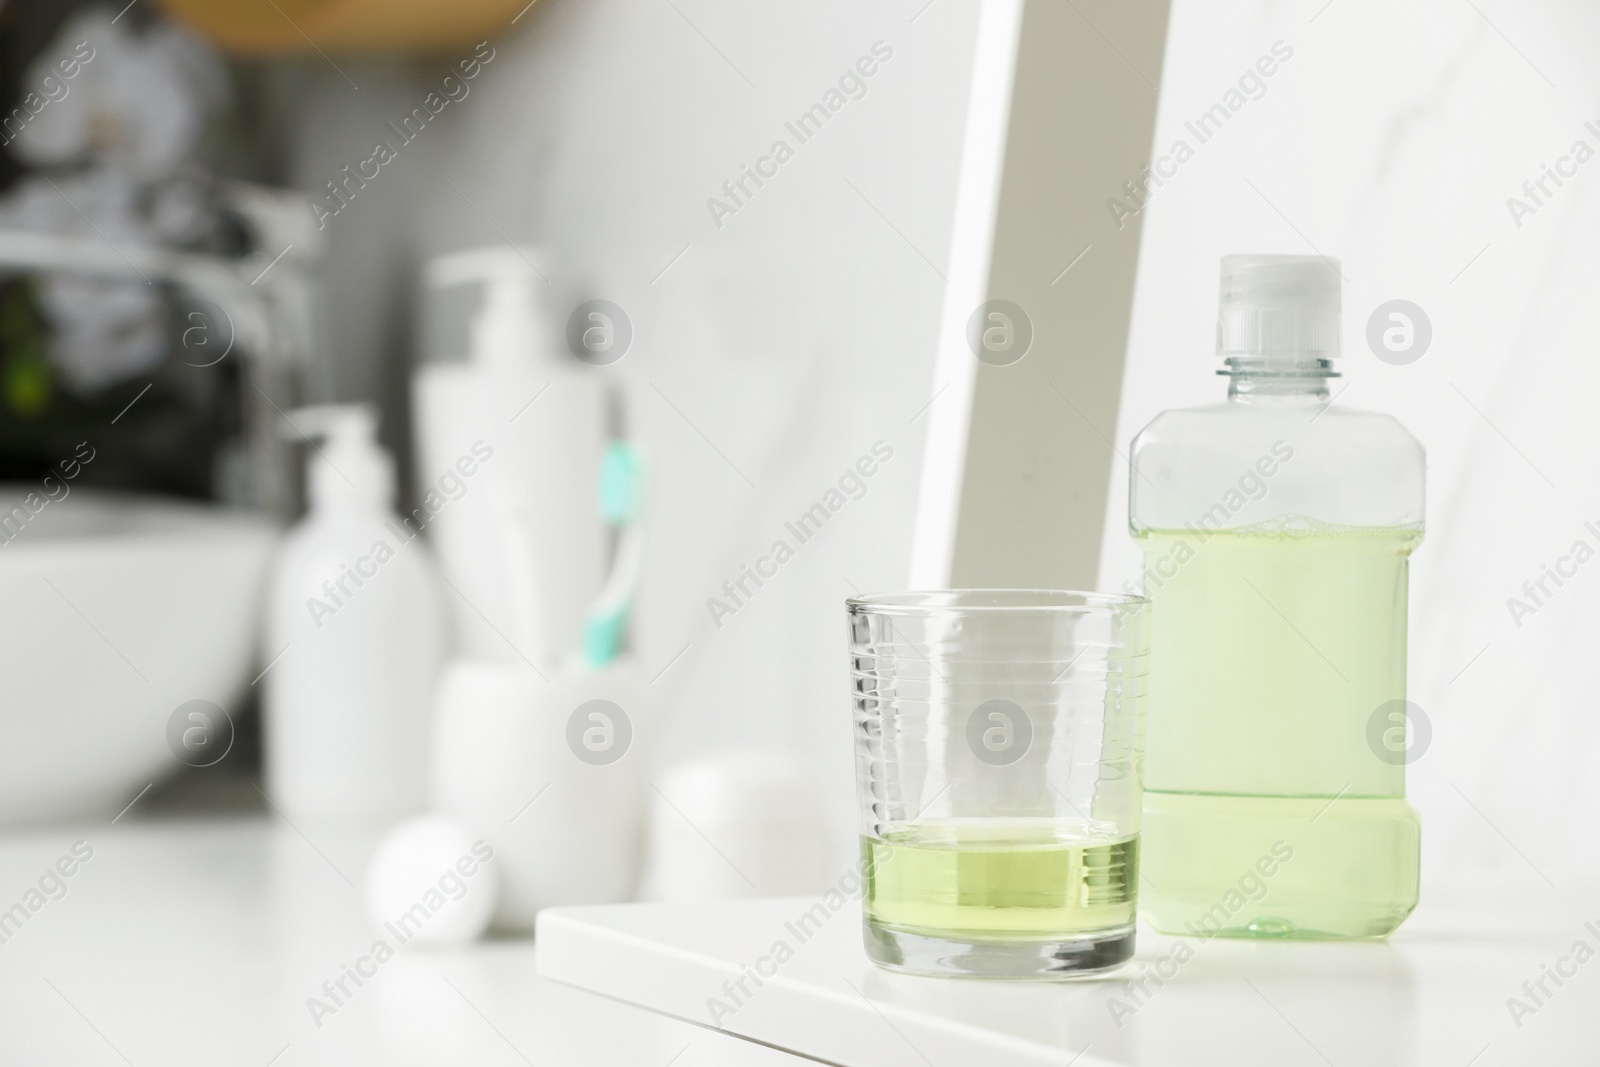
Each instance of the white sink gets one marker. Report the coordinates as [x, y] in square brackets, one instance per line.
[114, 610]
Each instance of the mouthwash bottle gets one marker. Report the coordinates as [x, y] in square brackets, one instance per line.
[1276, 531]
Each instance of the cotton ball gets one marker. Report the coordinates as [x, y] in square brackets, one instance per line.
[433, 882]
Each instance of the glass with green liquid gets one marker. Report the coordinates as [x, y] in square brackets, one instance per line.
[998, 740]
[1276, 532]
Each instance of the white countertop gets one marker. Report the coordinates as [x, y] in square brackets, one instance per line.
[1435, 994]
[184, 942]
[201, 942]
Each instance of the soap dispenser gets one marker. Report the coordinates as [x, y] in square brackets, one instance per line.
[521, 543]
[1277, 530]
[355, 637]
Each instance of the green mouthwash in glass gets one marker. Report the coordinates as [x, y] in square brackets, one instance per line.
[1012, 879]
[1276, 532]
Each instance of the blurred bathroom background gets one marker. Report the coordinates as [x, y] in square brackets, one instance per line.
[247, 260]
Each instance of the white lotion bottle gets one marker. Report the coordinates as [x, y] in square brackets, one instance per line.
[355, 638]
[526, 553]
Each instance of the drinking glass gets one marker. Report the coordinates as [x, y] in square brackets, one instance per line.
[999, 743]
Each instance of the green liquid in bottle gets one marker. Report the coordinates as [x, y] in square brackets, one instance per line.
[1015, 879]
[1267, 810]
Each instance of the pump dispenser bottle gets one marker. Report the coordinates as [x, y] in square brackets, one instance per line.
[354, 638]
[524, 547]
[1276, 530]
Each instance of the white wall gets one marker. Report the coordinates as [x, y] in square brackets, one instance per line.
[1392, 140]
[790, 339]
[803, 329]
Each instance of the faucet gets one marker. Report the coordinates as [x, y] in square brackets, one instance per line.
[265, 297]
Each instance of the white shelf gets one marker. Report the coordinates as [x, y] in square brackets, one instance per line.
[1435, 994]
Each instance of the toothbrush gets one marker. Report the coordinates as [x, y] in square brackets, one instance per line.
[621, 493]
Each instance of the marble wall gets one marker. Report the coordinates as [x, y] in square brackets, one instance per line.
[1398, 138]
[777, 343]
[773, 346]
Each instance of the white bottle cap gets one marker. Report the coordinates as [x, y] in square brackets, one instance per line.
[1279, 307]
[348, 471]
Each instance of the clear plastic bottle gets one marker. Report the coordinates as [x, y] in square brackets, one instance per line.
[1276, 531]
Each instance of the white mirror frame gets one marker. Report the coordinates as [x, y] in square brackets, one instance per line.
[1019, 457]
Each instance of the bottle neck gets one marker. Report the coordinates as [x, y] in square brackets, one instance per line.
[1286, 380]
